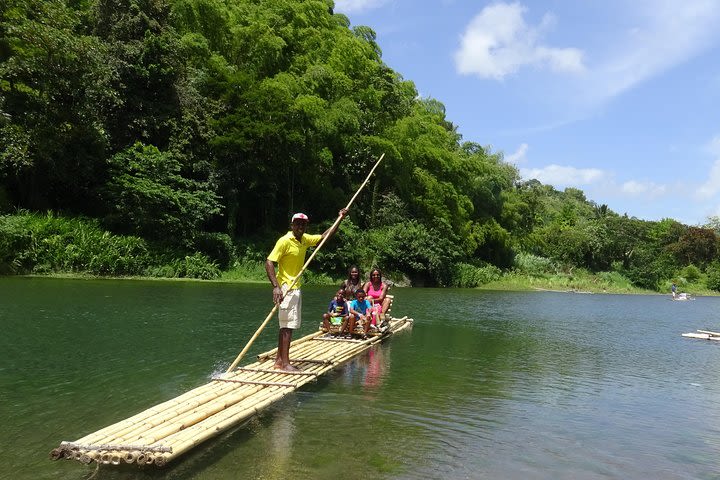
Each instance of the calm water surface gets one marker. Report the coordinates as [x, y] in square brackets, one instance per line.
[486, 384]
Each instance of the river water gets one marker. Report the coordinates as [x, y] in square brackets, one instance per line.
[496, 385]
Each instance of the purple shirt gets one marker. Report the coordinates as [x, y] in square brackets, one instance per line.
[340, 308]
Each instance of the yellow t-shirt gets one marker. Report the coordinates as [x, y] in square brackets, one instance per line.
[289, 254]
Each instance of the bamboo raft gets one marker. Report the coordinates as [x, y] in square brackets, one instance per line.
[162, 433]
[703, 334]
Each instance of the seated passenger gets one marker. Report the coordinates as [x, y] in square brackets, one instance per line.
[352, 283]
[360, 311]
[377, 293]
[337, 314]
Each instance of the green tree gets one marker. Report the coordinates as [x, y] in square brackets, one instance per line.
[695, 246]
[420, 252]
[55, 91]
[147, 196]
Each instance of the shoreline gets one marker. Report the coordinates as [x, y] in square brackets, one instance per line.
[509, 284]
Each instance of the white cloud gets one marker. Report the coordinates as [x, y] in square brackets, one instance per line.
[647, 189]
[713, 147]
[558, 175]
[666, 34]
[356, 6]
[518, 156]
[639, 40]
[712, 185]
[498, 42]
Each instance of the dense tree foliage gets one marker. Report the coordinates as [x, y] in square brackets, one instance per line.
[198, 126]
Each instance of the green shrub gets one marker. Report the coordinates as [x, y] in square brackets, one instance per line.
[691, 273]
[197, 266]
[316, 278]
[648, 269]
[246, 269]
[713, 276]
[161, 271]
[46, 243]
[533, 265]
[15, 242]
[615, 279]
[471, 276]
[217, 246]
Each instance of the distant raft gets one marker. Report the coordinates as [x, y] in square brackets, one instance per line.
[160, 434]
[703, 334]
[680, 297]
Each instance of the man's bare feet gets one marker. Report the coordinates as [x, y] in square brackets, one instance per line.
[286, 368]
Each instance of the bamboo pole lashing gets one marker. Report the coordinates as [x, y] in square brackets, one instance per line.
[114, 448]
[249, 412]
[262, 383]
[268, 370]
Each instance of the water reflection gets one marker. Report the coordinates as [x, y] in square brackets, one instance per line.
[375, 369]
[281, 434]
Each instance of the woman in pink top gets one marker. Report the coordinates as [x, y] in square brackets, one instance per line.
[377, 293]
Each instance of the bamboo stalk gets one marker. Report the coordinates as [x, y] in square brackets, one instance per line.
[714, 334]
[137, 419]
[228, 419]
[127, 430]
[87, 458]
[195, 416]
[137, 432]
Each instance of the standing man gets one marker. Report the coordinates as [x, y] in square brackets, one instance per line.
[289, 254]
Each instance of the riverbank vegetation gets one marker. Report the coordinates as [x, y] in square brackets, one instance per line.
[174, 138]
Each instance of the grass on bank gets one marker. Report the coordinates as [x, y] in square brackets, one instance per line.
[49, 245]
[602, 282]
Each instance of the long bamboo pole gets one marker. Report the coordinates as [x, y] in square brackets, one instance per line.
[302, 270]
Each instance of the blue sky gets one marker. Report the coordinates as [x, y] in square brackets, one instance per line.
[620, 99]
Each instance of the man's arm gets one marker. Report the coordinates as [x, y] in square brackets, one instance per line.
[277, 291]
[333, 228]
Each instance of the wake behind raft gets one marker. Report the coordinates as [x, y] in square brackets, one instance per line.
[162, 433]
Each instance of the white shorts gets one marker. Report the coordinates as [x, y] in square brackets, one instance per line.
[290, 312]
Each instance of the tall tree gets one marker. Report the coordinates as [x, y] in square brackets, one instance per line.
[56, 89]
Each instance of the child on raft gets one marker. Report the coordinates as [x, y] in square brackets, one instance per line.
[337, 314]
[360, 311]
